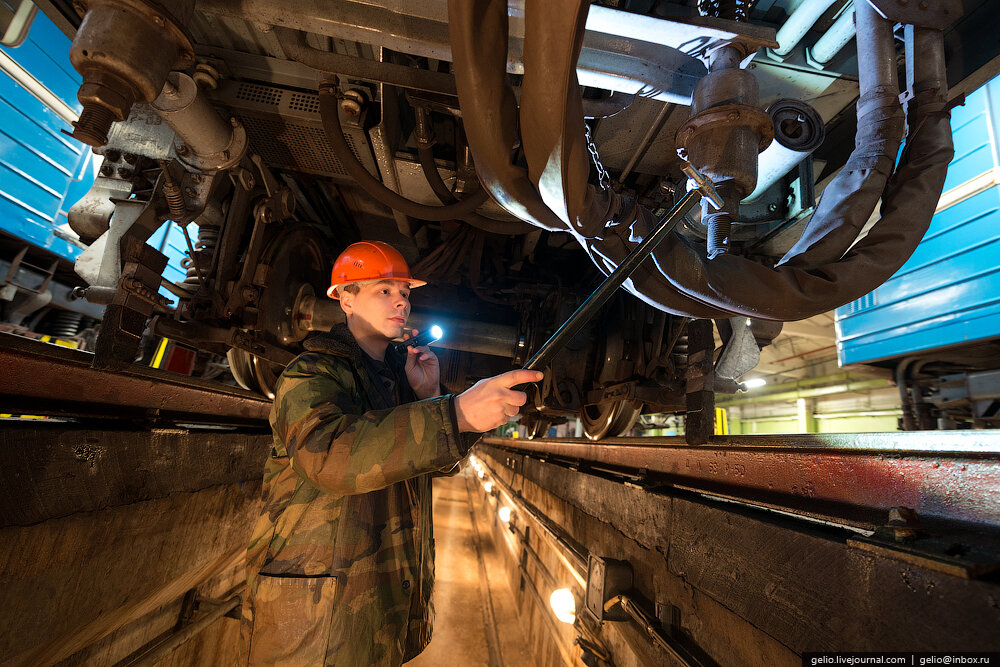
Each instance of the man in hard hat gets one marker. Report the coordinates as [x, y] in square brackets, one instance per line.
[341, 562]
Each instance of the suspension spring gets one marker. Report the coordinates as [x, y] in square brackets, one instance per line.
[207, 241]
[64, 323]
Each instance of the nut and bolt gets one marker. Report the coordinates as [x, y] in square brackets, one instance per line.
[183, 150]
[124, 173]
[130, 158]
[107, 171]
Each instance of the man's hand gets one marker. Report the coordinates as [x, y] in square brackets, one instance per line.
[491, 402]
[422, 370]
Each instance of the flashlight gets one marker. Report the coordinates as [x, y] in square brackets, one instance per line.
[424, 338]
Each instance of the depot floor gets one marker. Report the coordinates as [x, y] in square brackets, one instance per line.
[476, 623]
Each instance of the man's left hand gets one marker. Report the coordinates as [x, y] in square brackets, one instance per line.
[422, 370]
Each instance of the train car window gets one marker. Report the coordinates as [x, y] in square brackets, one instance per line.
[15, 21]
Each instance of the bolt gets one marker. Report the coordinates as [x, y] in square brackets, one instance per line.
[923, 5]
[772, 207]
[124, 173]
[189, 191]
[112, 155]
[234, 122]
[79, 7]
[107, 170]
[130, 158]
[350, 107]
[183, 150]
[94, 124]
[158, 20]
[719, 225]
[733, 115]
[903, 3]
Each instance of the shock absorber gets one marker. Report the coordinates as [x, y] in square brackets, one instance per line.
[205, 245]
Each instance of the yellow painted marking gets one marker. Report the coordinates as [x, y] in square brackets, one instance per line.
[160, 351]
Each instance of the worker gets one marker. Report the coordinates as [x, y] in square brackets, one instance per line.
[341, 560]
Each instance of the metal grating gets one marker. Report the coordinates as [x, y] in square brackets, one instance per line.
[294, 146]
[304, 102]
[250, 92]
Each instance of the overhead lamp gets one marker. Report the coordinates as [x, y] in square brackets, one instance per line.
[563, 605]
[480, 473]
[474, 461]
[504, 514]
[755, 383]
[488, 487]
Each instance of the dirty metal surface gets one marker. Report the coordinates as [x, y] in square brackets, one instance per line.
[853, 478]
[40, 378]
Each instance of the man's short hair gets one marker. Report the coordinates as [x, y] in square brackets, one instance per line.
[351, 288]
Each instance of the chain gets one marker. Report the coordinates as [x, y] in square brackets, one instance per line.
[603, 177]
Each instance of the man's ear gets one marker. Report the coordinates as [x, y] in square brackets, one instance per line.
[346, 301]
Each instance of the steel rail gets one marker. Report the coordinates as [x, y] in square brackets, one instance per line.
[855, 478]
[40, 378]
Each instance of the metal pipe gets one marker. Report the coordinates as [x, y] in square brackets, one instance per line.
[206, 141]
[798, 131]
[797, 25]
[174, 641]
[876, 42]
[498, 340]
[330, 114]
[312, 313]
[295, 46]
[589, 308]
[833, 40]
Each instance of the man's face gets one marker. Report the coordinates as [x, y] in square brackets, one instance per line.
[381, 308]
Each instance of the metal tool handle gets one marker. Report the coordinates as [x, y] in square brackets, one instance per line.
[601, 295]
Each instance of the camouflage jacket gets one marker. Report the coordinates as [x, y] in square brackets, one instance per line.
[341, 562]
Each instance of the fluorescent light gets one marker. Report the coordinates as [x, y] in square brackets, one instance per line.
[504, 513]
[488, 487]
[755, 383]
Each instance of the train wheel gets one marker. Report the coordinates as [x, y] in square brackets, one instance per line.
[609, 419]
[296, 258]
[535, 426]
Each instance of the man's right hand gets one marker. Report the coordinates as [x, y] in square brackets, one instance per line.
[491, 402]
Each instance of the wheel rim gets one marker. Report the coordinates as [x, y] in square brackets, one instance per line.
[609, 419]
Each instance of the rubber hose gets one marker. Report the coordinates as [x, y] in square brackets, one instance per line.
[433, 176]
[330, 115]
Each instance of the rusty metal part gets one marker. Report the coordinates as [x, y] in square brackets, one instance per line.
[479, 37]
[204, 140]
[47, 379]
[335, 135]
[124, 50]
[295, 46]
[933, 14]
[858, 478]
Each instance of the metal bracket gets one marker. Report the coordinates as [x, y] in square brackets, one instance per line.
[934, 14]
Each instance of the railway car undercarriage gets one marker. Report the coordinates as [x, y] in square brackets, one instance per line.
[510, 119]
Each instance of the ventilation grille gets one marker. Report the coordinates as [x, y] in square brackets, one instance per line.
[293, 146]
[867, 302]
[249, 92]
[304, 102]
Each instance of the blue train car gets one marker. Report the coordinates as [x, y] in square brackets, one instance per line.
[938, 318]
[43, 173]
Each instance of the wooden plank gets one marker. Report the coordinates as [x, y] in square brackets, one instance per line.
[52, 470]
[777, 583]
[68, 582]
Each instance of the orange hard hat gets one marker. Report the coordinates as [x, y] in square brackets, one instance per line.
[369, 260]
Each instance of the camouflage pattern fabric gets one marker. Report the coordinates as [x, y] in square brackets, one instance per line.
[341, 562]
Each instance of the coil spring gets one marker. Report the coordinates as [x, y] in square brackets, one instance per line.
[204, 247]
[64, 324]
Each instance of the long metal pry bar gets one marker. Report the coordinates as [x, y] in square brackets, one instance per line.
[600, 296]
